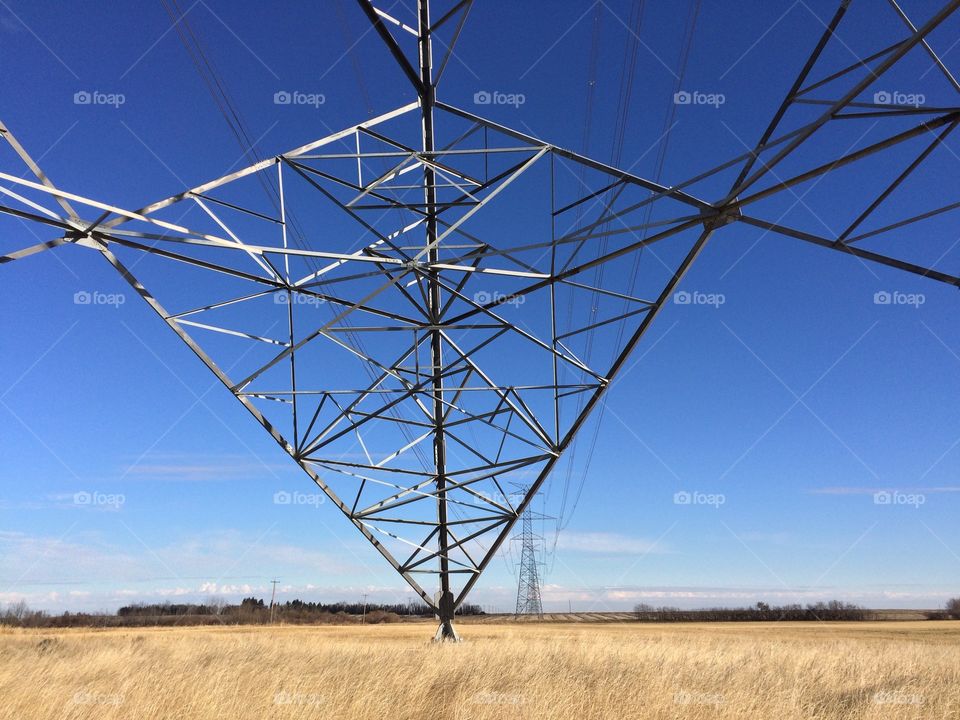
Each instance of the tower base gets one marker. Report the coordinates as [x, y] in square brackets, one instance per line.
[446, 632]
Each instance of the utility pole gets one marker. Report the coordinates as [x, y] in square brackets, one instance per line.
[363, 618]
[273, 596]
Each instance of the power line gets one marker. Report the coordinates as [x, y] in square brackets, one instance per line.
[627, 75]
[661, 159]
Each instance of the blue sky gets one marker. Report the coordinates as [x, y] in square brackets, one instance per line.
[781, 409]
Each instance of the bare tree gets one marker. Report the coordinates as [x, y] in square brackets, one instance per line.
[953, 608]
[217, 603]
[17, 611]
[643, 611]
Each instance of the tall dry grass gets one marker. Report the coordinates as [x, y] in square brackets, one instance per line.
[557, 672]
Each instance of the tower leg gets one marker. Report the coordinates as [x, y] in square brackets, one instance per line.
[446, 605]
[446, 631]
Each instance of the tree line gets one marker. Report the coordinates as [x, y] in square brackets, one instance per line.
[834, 610]
[254, 611]
[250, 611]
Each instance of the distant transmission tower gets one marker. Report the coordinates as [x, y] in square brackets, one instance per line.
[528, 590]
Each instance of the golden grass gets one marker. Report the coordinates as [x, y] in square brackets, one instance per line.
[556, 672]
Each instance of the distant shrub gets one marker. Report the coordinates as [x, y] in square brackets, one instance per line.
[953, 608]
[379, 616]
[761, 612]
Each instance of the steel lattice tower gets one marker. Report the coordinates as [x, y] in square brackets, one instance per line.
[402, 335]
[528, 589]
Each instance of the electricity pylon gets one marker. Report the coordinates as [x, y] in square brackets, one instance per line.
[412, 342]
[528, 588]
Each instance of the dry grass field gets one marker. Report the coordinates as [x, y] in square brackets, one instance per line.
[556, 671]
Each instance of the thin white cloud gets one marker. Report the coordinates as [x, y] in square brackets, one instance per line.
[183, 467]
[607, 543]
[54, 572]
[558, 598]
[771, 538]
[849, 490]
